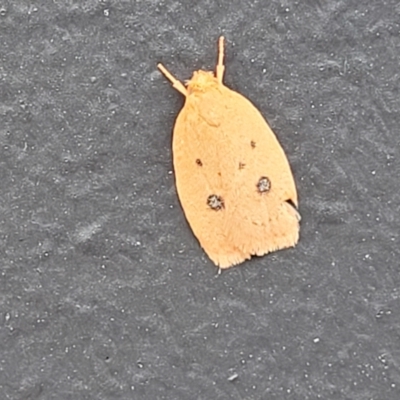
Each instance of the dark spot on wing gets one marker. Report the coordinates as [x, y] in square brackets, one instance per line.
[264, 184]
[215, 202]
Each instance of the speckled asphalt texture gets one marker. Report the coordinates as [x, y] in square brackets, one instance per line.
[104, 291]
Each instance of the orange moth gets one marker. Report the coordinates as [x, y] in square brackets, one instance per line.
[232, 176]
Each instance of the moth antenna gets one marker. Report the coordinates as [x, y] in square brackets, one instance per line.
[220, 66]
[179, 86]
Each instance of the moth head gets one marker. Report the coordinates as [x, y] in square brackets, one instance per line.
[201, 81]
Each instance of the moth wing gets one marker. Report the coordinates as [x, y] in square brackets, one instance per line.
[223, 146]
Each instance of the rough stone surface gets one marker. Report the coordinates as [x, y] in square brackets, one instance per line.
[104, 291]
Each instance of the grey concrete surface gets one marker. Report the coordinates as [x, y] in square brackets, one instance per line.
[104, 291]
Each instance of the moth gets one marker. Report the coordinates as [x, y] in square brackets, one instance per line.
[232, 176]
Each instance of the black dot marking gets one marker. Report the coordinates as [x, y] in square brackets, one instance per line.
[199, 163]
[241, 165]
[215, 202]
[253, 144]
[264, 185]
